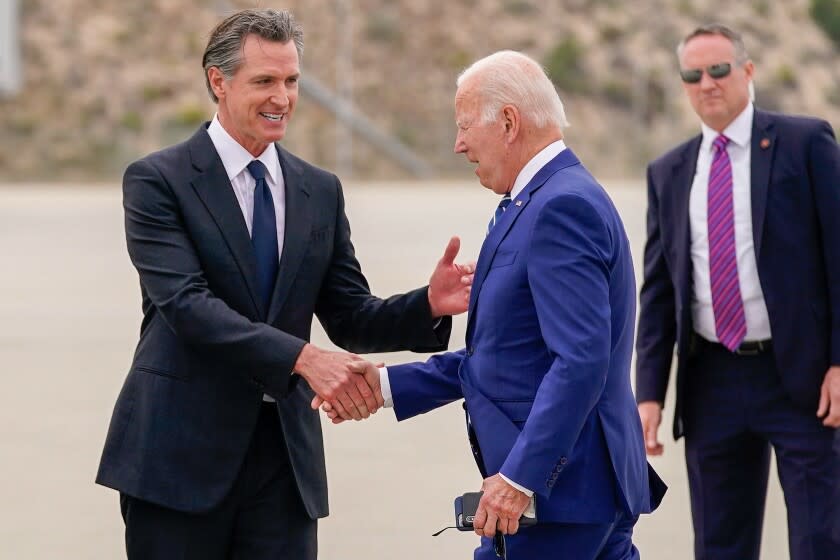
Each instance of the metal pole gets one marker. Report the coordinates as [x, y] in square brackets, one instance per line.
[10, 66]
[344, 85]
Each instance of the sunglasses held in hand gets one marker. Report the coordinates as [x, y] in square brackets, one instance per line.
[715, 71]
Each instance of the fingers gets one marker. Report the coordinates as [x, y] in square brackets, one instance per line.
[650, 413]
[316, 402]
[822, 410]
[480, 519]
[371, 402]
[451, 250]
[513, 526]
[340, 410]
[490, 526]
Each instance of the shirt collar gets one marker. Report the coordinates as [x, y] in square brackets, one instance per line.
[535, 164]
[235, 158]
[739, 130]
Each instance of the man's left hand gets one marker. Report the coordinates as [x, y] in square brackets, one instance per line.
[500, 508]
[449, 286]
[829, 409]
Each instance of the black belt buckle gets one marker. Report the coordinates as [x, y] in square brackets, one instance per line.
[753, 348]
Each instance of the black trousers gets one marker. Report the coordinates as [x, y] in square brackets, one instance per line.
[736, 409]
[262, 518]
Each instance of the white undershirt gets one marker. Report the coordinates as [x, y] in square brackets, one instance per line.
[739, 133]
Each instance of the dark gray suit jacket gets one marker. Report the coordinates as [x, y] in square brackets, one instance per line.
[208, 350]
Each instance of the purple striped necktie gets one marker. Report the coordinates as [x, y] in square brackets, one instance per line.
[730, 322]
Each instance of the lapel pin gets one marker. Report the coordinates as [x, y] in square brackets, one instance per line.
[519, 203]
[765, 143]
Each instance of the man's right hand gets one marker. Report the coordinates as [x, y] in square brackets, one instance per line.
[333, 377]
[650, 413]
[371, 374]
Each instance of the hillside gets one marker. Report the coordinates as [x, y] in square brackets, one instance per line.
[108, 81]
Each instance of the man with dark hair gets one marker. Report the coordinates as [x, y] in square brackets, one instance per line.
[213, 444]
[742, 274]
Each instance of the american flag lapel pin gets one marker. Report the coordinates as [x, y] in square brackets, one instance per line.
[765, 143]
[519, 203]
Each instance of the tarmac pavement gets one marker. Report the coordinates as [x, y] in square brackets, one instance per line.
[69, 318]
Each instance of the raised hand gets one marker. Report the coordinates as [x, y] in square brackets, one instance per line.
[365, 370]
[450, 284]
[334, 378]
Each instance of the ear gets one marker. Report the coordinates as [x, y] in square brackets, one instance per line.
[749, 69]
[512, 121]
[217, 81]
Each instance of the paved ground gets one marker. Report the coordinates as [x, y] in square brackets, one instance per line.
[69, 315]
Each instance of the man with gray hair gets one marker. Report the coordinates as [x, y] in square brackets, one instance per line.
[212, 444]
[742, 276]
[545, 373]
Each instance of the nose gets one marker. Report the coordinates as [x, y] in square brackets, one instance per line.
[280, 96]
[460, 146]
[706, 81]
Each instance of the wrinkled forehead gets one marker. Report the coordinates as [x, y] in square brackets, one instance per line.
[467, 103]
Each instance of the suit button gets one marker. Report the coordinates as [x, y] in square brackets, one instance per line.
[563, 460]
[550, 483]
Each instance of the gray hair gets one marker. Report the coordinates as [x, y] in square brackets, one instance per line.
[510, 77]
[224, 47]
[741, 56]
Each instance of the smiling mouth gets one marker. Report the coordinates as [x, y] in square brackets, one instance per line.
[273, 117]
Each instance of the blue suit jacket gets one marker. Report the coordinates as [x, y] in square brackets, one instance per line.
[546, 368]
[795, 183]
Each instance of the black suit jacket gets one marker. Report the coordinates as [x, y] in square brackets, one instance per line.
[208, 350]
[795, 201]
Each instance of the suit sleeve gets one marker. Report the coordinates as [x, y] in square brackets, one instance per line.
[569, 276]
[419, 387]
[360, 322]
[657, 311]
[824, 169]
[172, 278]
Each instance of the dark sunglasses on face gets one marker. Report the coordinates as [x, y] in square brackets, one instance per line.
[715, 71]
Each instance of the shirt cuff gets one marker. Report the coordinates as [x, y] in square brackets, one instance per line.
[385, 387]
[521, 488]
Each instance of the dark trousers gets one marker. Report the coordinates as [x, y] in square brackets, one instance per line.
[262, 517]
[575, 541]
[736, 409]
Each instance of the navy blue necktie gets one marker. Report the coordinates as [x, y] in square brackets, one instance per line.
[264, 234]
[500, 209]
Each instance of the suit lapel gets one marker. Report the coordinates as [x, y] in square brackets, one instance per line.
[298, 230]
[212, 186]
[763, 146]
[675, 201]
[564, 159]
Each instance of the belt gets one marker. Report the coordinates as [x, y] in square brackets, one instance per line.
[747, 348]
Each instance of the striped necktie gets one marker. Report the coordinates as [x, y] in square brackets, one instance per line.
[728, 307]
[500, 209]
[264, 234]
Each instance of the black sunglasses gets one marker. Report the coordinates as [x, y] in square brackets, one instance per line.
[715, 71]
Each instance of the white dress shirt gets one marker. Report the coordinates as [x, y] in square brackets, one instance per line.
[522, 179]
[235, 158]
[739, 133]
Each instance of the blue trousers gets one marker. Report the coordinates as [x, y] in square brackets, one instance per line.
[575, 541]
[736, 409]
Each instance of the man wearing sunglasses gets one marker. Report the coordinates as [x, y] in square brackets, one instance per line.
[742, 274]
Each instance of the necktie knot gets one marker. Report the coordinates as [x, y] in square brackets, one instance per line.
[720, 143]
[257, 169]
[500, 209]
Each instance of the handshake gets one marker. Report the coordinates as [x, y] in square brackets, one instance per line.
[346, 385]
